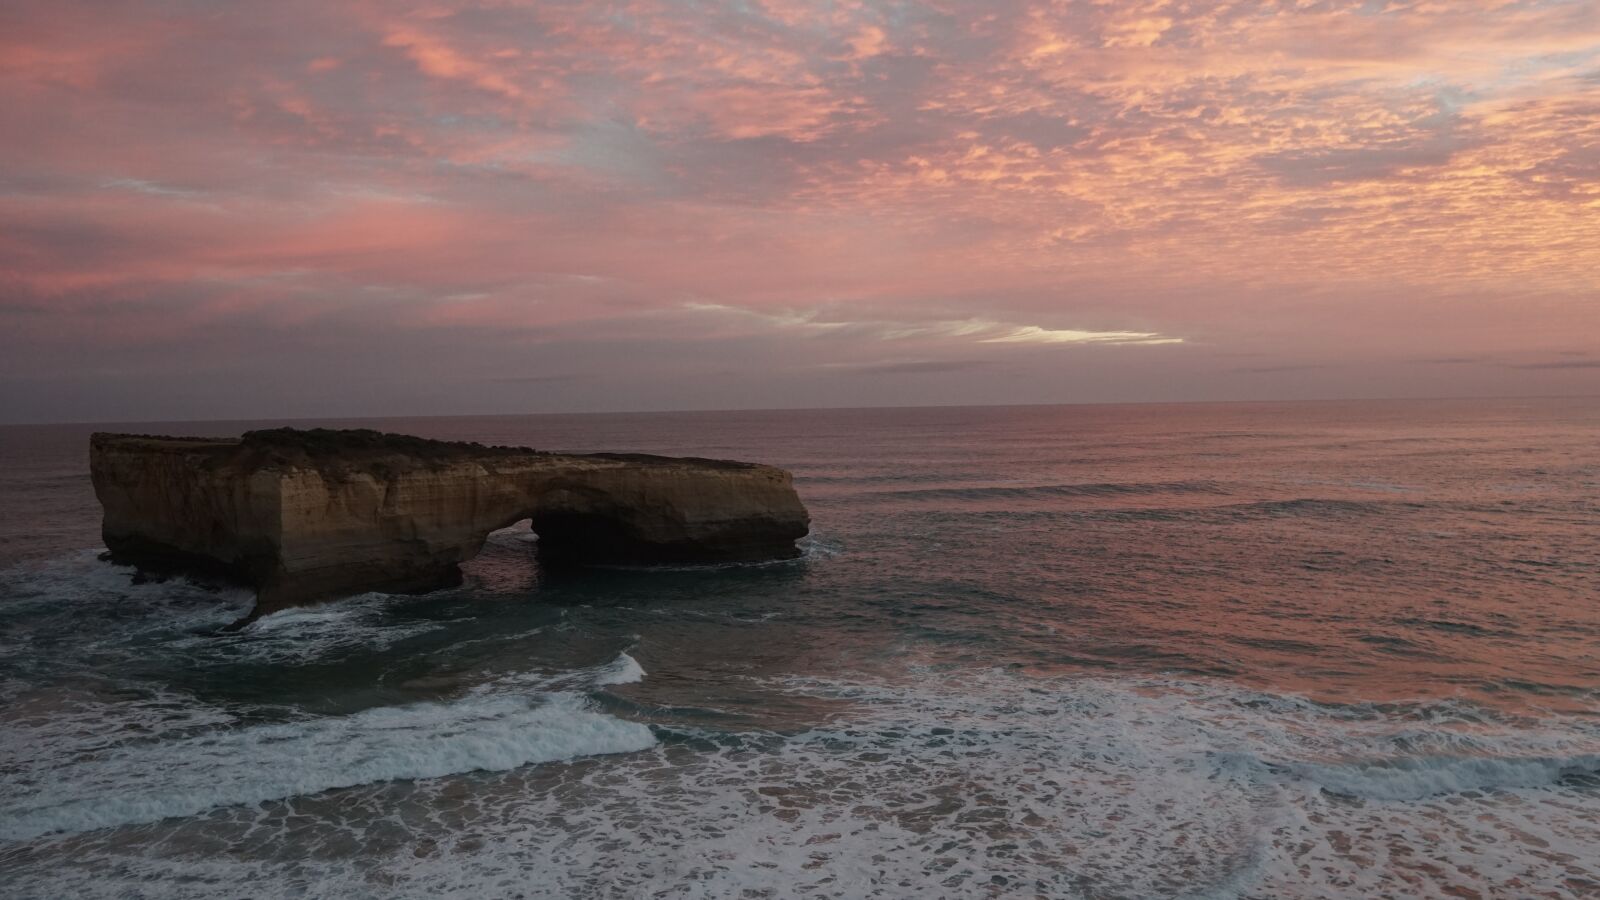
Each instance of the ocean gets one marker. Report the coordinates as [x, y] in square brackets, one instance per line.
[1140, 651]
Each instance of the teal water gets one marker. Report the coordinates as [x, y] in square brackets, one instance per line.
[1233, 650]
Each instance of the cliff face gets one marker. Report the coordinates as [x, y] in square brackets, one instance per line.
[307, 516]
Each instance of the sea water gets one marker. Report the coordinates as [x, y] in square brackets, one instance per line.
[1242, 650]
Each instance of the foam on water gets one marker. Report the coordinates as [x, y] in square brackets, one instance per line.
[86, 744]
[941, 783]
[81, 582]
[80, 602]
[134, 782]
[300, 635]
[623, 670]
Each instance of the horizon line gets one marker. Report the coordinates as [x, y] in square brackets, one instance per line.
[796, 409]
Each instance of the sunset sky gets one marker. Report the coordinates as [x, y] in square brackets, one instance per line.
[327, 208]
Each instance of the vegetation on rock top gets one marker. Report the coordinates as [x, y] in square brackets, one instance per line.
[321, 443]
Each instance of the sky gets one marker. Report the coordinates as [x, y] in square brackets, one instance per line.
[352, 207]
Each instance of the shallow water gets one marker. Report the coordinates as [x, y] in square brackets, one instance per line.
[1244, 650]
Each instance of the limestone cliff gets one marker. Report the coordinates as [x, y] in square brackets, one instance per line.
[310, 515]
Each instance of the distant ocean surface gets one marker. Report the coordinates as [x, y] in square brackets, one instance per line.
[1233, 650]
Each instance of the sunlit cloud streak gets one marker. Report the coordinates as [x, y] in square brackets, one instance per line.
[983, 331]
[664, 192]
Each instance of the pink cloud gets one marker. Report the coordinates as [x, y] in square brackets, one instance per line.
[440, 60]
[1302, 180]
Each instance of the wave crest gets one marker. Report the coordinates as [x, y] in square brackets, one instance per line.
[139, 783]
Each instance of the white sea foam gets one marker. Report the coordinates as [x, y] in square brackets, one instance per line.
[102, 608]
[622, 670]
[136, 783]
[308, 633]
[958, 784]
[81, 581]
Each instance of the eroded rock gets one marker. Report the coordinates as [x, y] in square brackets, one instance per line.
[306, 516]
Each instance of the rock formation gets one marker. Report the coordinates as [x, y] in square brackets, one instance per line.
[310, 515]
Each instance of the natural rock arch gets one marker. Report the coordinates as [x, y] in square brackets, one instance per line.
[307, 516]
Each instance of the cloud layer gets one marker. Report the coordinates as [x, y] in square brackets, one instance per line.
[470, 205]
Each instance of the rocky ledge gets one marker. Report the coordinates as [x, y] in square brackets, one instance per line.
[306, 516]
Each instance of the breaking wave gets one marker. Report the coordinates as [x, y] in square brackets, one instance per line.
[937, 782]
[623, 670]
[138, 782]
